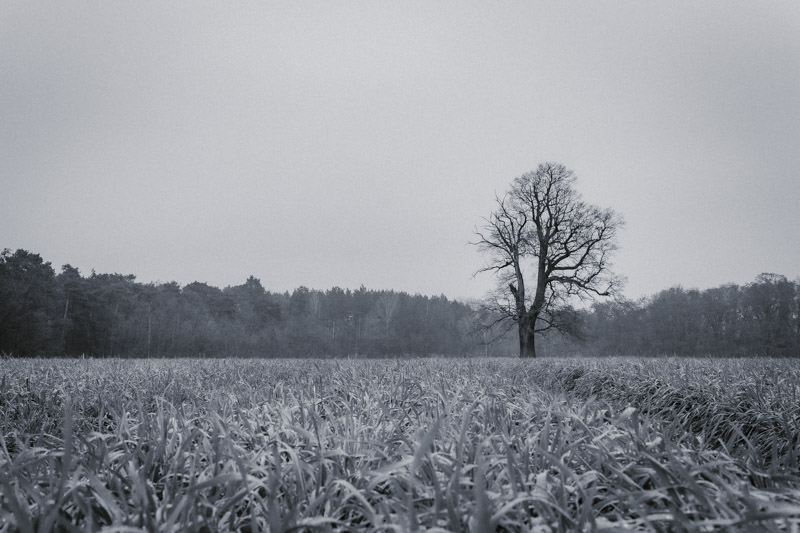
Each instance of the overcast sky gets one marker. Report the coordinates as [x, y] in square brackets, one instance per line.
[348, 143]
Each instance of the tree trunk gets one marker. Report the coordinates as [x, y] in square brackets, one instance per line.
[149, 330]
[64, 328]
[527, 339]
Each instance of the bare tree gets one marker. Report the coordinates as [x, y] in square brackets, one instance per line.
[543, 233]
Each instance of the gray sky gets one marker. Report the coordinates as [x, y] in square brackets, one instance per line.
[322, 143]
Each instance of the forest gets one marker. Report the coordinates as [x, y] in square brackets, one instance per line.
[761, 318]
[44, 313]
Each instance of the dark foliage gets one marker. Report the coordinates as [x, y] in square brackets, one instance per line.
[42, 313]
[760, 318]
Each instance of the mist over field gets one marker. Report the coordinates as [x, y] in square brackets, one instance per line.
[44, 313]
[399, 267]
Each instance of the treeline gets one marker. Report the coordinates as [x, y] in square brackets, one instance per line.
[760, 318]
[44, 313]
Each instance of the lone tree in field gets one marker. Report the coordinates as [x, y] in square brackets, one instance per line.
[547, 247]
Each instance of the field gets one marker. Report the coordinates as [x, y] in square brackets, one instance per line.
[400, 445]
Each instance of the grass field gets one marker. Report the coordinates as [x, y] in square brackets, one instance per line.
[409, 445]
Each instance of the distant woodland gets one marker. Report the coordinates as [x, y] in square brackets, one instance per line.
[760, 318]
[67, 313]
[114, 315]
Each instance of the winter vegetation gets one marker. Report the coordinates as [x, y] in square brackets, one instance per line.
[44, 313]
[547, 248]
[479, 341]
[433, 444]
[203, 409]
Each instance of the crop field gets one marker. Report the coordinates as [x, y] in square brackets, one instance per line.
[400, 445]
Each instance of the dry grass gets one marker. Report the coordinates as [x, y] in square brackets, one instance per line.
[410, 445]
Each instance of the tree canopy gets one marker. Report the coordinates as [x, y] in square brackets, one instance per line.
[547, 246]
[42, 313]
